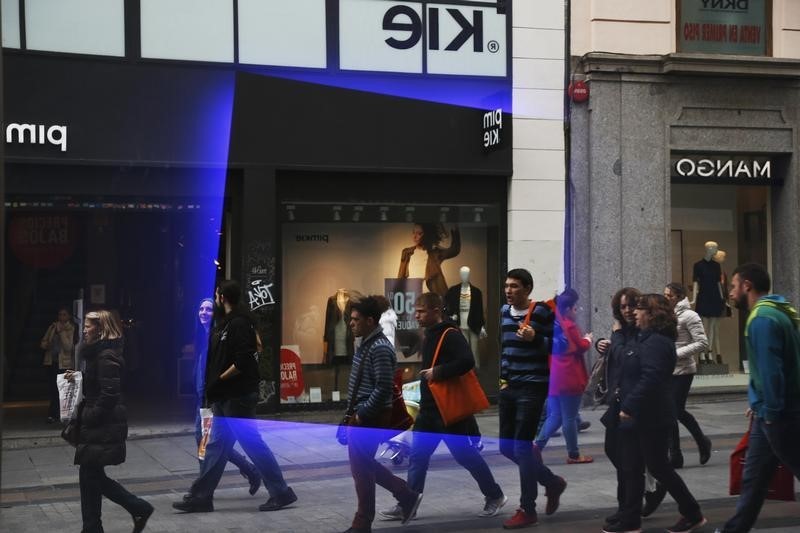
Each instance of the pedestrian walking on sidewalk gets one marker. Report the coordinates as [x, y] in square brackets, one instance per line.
[773, 350]
[58, 344]
[203, 323]
[568, 378]
[232, 391]
[690, 343]
[454, 358]
[615, 350]
[103, 424]
[646, 413]
[526, 340]
[370, 386]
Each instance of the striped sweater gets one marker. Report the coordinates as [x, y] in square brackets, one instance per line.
[526, 361]
[374, 393]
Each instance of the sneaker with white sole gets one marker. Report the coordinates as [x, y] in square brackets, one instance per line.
[687, 525]
[393, 513]
[493, 506]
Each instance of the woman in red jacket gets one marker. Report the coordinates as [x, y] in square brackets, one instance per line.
[568, 378]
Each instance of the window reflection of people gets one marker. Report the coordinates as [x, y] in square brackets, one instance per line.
[58, 344]
[424, 259]
[205, 315]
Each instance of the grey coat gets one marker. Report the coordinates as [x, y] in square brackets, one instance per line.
[691, 339]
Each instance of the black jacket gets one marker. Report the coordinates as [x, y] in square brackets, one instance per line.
[102, 419]
[233, 342]
[475, 320]
[644, 380]
[455, 359]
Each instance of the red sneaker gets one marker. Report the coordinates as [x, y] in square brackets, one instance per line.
[521, 519]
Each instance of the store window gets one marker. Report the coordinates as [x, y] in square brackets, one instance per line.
[9, 14]
[740, 27]
[187, 30]
[335, 252]
[75, 26]
[735, 218]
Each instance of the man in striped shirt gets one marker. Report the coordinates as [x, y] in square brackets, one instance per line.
[371, 386]
[526, 335]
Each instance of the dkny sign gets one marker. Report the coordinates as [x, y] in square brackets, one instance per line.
[460, 38]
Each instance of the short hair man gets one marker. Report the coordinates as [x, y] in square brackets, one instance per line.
[773, 352]
[372, 388]
[232, 390]
[455, 359]
[524, 375]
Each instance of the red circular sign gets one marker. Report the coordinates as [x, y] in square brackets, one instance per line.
[291, 374]
[42, 240]
[578, 91]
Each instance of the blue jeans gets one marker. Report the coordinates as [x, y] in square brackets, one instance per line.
[234, 419]
[562, 411]
[520, 409]
[429, 430]
[769, 444]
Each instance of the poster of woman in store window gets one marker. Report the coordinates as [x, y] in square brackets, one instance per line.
[421, 262]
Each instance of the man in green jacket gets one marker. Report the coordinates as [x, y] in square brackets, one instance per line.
[773, 352]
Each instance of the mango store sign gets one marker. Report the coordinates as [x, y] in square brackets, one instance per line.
[723, 168]
[37, 134]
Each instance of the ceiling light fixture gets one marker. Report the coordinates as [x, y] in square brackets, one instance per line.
[478, 211]
[384, 209]
[410, 214]
[443, 215]
[357, 210]
[337, 213]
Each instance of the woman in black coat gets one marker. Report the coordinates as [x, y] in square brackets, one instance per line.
[103, 425]
[646, 415]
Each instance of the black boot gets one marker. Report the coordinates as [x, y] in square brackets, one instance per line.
[704, 447]
[676, 459]
[653, 499]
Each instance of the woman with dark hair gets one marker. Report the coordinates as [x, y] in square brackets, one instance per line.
[568, 377]
[424, 259]
[623, 337]
[646, 416]
[202, 330]
[102, 424]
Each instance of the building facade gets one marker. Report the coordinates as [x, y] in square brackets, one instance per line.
[153, 147]
[689, 136]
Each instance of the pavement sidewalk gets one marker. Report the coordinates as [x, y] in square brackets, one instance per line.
[39, 483]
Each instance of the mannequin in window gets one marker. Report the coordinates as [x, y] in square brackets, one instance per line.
[464, 304]
[719, 257]
[424, 259]
[338, 337]
[709, 300]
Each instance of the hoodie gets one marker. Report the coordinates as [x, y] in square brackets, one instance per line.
[773, 351]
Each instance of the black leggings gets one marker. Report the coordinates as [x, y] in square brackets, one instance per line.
[680, 392]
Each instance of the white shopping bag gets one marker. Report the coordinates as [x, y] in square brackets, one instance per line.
[206, 419]
[69, 394]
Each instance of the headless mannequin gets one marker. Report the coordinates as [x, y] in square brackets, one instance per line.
[461, 314]
[710, 320]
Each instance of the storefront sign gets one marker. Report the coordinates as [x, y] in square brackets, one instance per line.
[492, 127]
[37, 134]
[459, 37]
[723, 26]
[759, 169]
[292, 384]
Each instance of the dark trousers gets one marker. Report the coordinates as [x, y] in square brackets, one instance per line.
[647, 447]
[245, 467]
[429, 430]
[769, 444]
[94, 484]
[680, 392]
[613, 448]
[54, 409]
[234, 419]
[362, 443]
[520, 409]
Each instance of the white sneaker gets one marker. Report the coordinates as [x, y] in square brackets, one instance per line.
[393, 513]
[493, 506]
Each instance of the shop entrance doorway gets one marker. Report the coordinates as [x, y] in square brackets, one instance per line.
[737, 219]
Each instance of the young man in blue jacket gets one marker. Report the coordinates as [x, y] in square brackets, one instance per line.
[773, 351]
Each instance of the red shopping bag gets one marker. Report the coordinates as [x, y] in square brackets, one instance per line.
[781, 487]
